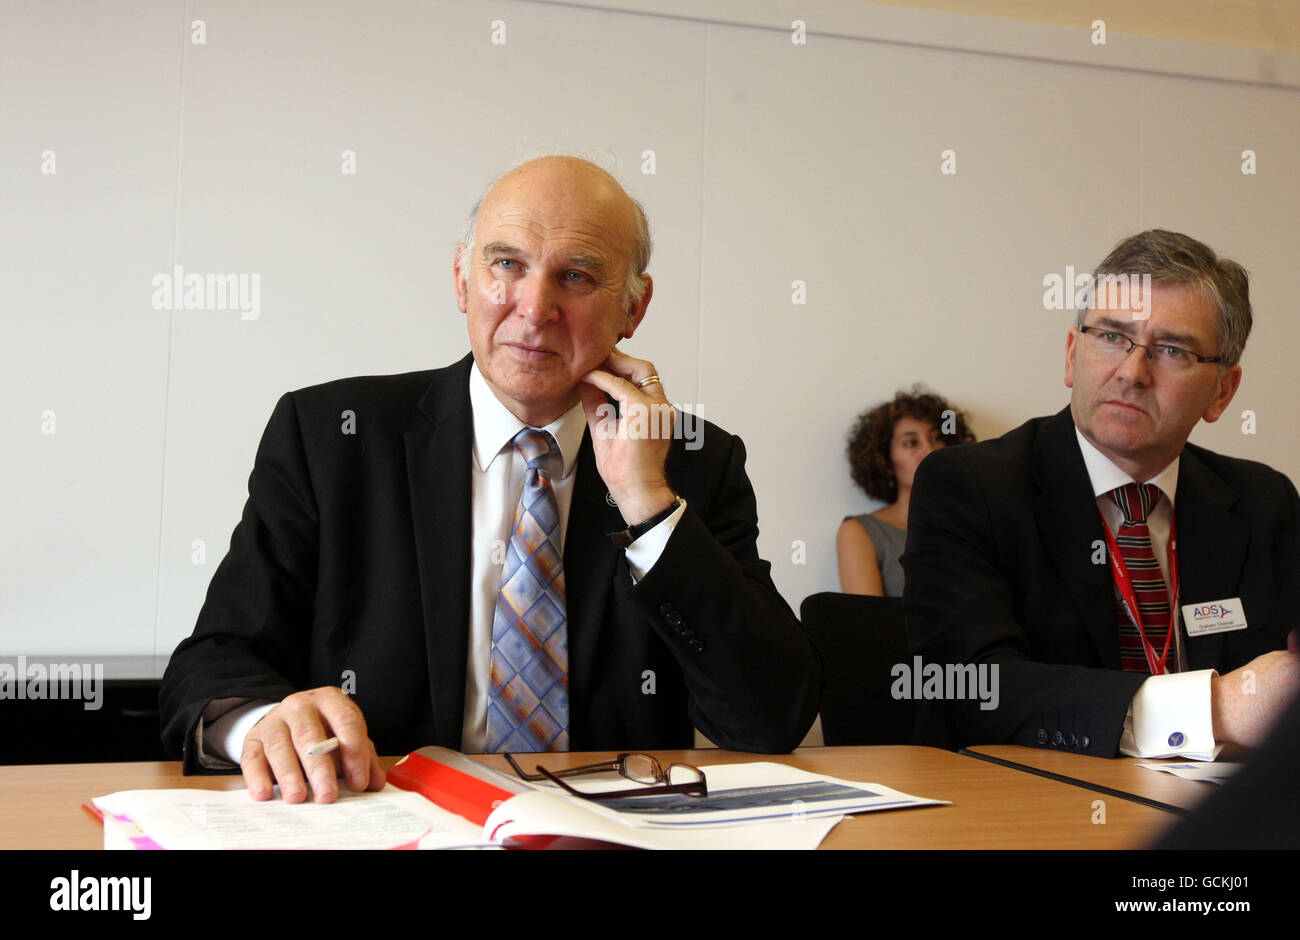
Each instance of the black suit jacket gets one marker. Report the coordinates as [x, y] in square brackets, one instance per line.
[354, 554]
[1002, 567]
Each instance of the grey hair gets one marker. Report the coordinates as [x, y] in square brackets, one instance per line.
[1174, 258]
[633, 287]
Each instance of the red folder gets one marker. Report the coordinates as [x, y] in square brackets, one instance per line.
[453, 781]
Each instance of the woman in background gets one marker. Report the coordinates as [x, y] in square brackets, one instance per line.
[886, 445]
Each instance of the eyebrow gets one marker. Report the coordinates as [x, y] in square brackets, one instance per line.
[587, 261]
[1178, 339]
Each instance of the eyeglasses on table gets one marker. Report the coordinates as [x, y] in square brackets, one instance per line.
[640, 768]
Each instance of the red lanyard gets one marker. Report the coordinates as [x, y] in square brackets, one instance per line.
[1129, 597]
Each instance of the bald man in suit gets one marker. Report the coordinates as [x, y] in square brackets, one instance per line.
[376, 555]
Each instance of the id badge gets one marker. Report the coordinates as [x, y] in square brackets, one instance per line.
[1214, 617]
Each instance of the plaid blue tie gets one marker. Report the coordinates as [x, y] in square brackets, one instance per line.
[529, 705]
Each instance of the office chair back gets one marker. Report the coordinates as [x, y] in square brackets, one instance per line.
[860, 640]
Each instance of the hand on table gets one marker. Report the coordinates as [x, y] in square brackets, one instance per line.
[275, 750]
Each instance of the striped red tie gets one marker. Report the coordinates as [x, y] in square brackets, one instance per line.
[1134, 540]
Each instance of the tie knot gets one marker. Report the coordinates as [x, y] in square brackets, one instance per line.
[1135, 502]
[534, 446]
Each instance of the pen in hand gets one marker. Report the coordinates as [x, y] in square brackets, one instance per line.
[323, 747]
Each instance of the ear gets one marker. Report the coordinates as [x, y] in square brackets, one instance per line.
[636, 313]
[459, 277]
[1070, 338]
[1229, 382]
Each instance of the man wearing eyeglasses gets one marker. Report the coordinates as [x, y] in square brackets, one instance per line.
[1133, 592]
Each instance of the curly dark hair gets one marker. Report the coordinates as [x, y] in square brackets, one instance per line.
[869, 460]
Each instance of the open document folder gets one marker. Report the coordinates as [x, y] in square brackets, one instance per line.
[438, 798]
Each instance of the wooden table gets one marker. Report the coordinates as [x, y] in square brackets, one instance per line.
[1116, 776]
[992, 806]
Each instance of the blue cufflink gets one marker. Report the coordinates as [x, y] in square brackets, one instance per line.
[1176, 739]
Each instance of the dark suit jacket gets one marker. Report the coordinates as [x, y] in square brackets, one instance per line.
[354, 554]
[1001, 568]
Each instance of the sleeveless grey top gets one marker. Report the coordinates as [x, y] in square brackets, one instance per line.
[889, 542]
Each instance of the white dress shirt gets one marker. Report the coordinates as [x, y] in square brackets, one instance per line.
[1178, 701]
[497, 480]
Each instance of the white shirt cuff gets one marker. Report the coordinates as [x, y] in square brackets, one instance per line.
[225, 737]
[1170, 716]
[645, 551]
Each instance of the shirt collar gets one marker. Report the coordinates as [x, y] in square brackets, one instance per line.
[495, 427]
[1105, 476]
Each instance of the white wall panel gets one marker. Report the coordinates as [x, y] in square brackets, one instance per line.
[98, 86]
[1194, 134]
[774, 162]
[824, 165]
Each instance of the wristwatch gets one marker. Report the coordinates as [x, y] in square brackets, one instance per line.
[629, 535]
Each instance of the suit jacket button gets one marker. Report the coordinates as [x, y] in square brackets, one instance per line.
[1071, 739]
[1084, 741]
[666, 609]
[697, 645]
[1057, 738]
[1042, 735]
[673, 618]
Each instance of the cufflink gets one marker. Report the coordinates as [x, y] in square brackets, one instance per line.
[1176, 739]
